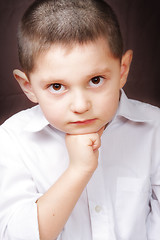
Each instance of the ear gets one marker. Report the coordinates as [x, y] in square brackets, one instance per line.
[25, 84]
[125, 66]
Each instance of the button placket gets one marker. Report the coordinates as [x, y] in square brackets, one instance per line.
[98, 209]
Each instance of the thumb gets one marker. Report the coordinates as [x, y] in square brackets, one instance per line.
[100, 132]
[95, 142]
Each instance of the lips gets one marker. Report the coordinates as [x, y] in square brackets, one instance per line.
[84, 122]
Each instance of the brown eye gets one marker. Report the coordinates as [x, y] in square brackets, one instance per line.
[96, 81]
[56, 88]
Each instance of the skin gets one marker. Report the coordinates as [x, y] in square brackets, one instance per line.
[82, 86]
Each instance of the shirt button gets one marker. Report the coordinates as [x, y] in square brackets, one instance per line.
[98, 208]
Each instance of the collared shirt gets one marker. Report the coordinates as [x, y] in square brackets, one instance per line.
[121, 200]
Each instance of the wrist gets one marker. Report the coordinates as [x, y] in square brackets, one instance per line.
[79, 172]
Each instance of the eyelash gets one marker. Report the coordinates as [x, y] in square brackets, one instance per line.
[59, 88]
[97, 83]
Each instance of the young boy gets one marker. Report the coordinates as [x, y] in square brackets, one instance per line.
[56, 180]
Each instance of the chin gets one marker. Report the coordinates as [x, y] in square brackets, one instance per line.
[83, 131]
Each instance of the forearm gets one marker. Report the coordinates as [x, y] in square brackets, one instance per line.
[56, 205]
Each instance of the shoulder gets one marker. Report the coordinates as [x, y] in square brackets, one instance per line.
[138, 111]
[148, 111]
[18, 121]
[14, 135]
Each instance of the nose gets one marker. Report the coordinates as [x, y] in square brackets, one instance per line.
[80, 102]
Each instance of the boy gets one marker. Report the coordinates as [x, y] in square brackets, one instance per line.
[56, 181]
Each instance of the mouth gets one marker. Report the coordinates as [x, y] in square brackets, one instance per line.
[84, 122]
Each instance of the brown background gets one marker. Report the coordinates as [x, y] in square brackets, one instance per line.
[140, 25]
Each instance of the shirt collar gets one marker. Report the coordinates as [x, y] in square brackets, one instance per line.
[37, 120]
[132, 109]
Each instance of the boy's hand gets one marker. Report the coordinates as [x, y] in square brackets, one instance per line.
[83, 151]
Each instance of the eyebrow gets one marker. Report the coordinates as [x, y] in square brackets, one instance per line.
[50, 80]
[96, 72]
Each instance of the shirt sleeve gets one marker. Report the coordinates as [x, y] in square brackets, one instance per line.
[154, 216]
[18, 210]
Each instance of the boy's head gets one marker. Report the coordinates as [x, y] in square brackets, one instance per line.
[71, 53]
[48, 22]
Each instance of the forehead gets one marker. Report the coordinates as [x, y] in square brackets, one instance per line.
[62, 52]
[76, 59]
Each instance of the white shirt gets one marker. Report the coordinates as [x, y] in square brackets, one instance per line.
[120, 202]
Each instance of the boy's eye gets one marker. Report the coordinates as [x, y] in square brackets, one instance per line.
[96, 81]
[56, 88]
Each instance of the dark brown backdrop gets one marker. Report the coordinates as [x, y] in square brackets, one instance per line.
[140, 25]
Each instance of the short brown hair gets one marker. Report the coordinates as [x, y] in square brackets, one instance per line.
[66, 22]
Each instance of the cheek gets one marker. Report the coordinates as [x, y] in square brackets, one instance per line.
[109, 105]
[53, 113]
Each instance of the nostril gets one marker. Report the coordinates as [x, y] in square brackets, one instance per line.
[80, 106]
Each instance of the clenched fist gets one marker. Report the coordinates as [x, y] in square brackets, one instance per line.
[83, 151]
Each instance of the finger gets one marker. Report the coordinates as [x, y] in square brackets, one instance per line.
[100, 132]
[96, 143]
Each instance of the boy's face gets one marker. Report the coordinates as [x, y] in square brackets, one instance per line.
[78, 89]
